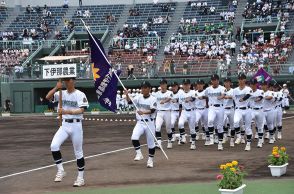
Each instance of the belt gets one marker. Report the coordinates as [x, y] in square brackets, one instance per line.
[189, 109]
[175, 110]
[257, 108]
[278, 106]
[72, 120]
[267, 110]
[200, 108]
[228, 108]
[241, 108]
[163, 110]
[216, 105]
[147, 120]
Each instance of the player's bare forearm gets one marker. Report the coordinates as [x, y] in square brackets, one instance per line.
[51, 93]
[268, 97]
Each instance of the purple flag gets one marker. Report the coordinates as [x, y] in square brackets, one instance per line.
[261, 75]
[105, 80]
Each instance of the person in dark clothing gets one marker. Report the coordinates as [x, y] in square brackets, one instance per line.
[80, 2]
[7, 105]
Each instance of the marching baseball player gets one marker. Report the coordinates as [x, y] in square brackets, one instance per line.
[146, 104]
[215, 95]
[286, 95]
[268, 107]
[74, 103]
[118, 102]
[163, 102]
[279, 110]
[201, 112]
[241, 97]
[175, 107]
[256, 104]
[228, 108]
[187, 113]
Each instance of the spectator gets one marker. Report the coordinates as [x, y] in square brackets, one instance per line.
[65, 5]
[29, 70]
[80, 2]
[63, 50]
[172, 67]
[79, 13]
[233, 48]
[8, 105]
[3, 5]
[185, 68]
[166, 67]
[29, 9]
[87, 13]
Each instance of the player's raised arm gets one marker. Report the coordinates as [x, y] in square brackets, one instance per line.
[51, 93]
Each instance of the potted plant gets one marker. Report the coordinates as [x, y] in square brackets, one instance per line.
[278, 161]
[5, 114]
[94, 111]
[48, 112]
[231, 178]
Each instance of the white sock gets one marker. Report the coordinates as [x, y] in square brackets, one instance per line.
[60, 167]
[150, 158]
[81, 174]
[138, 151]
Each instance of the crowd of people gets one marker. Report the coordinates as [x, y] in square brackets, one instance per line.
[10, 58]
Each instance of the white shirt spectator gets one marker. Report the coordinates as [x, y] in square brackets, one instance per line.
[127, 46]
[135, 45]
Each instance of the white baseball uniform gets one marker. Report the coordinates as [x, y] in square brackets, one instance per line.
[256, 104]
[268, 107]
[175, 108]
[201, 110]
[187, 113]
[278, 109]
[71, 127]
[242, 112]
[229, 109]
[285, 101]
[145, 104]
[216, 109]
[163, 113]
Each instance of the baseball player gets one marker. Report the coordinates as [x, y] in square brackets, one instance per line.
[278, 109]
[201, 112]
[256, 104]
[187, 113]
[268, 107]
[229, 109]
[146, 105]
[215, 95]
[153, 91]
[74, 103]
[175, 107]
[241, 97]
[163, 102]
[286, 95]
[118, 102]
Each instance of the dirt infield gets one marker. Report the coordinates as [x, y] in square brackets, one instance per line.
[25, 141]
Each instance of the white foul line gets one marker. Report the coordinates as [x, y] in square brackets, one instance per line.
[91, 156]
[70, 161]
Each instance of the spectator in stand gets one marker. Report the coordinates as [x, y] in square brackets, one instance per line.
[80, 2]
[87, 13]
[65, 4]
[3, 5]
[233, 48]
[29, 9]
[79, 13]
[185, 68]
[166, 67]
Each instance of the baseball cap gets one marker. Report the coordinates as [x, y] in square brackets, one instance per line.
[253, 81]
[214, 77]
[145, 84]
[242, 76]
[186, 81]
[227, 79]
[174, 84]
[200, 81]
[163, 81]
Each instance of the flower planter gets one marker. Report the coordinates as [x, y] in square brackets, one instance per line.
[278, 171]
[94, 112]
[6, 114]
[48, 113]
[238, 190]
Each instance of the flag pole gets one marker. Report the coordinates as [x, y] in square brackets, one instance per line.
[160, 146]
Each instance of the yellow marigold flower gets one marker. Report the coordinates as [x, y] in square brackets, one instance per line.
[233, 169]
[274, 153]
[229, 165]
[276, 148]
[283, 149]
[222, 167]
[235, 163]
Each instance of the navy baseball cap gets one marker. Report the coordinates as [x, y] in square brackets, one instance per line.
[163, 81]
[186, 81]
[145, 84]
[200, 81]
[214, 77]
[253, 81]
[242, 76]
[227, 79]
[174, 84]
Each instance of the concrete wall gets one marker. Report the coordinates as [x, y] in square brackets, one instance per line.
[23, 3]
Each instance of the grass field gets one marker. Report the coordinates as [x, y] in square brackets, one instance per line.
[275, 186]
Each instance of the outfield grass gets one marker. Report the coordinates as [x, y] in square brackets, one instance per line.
[253, 187]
